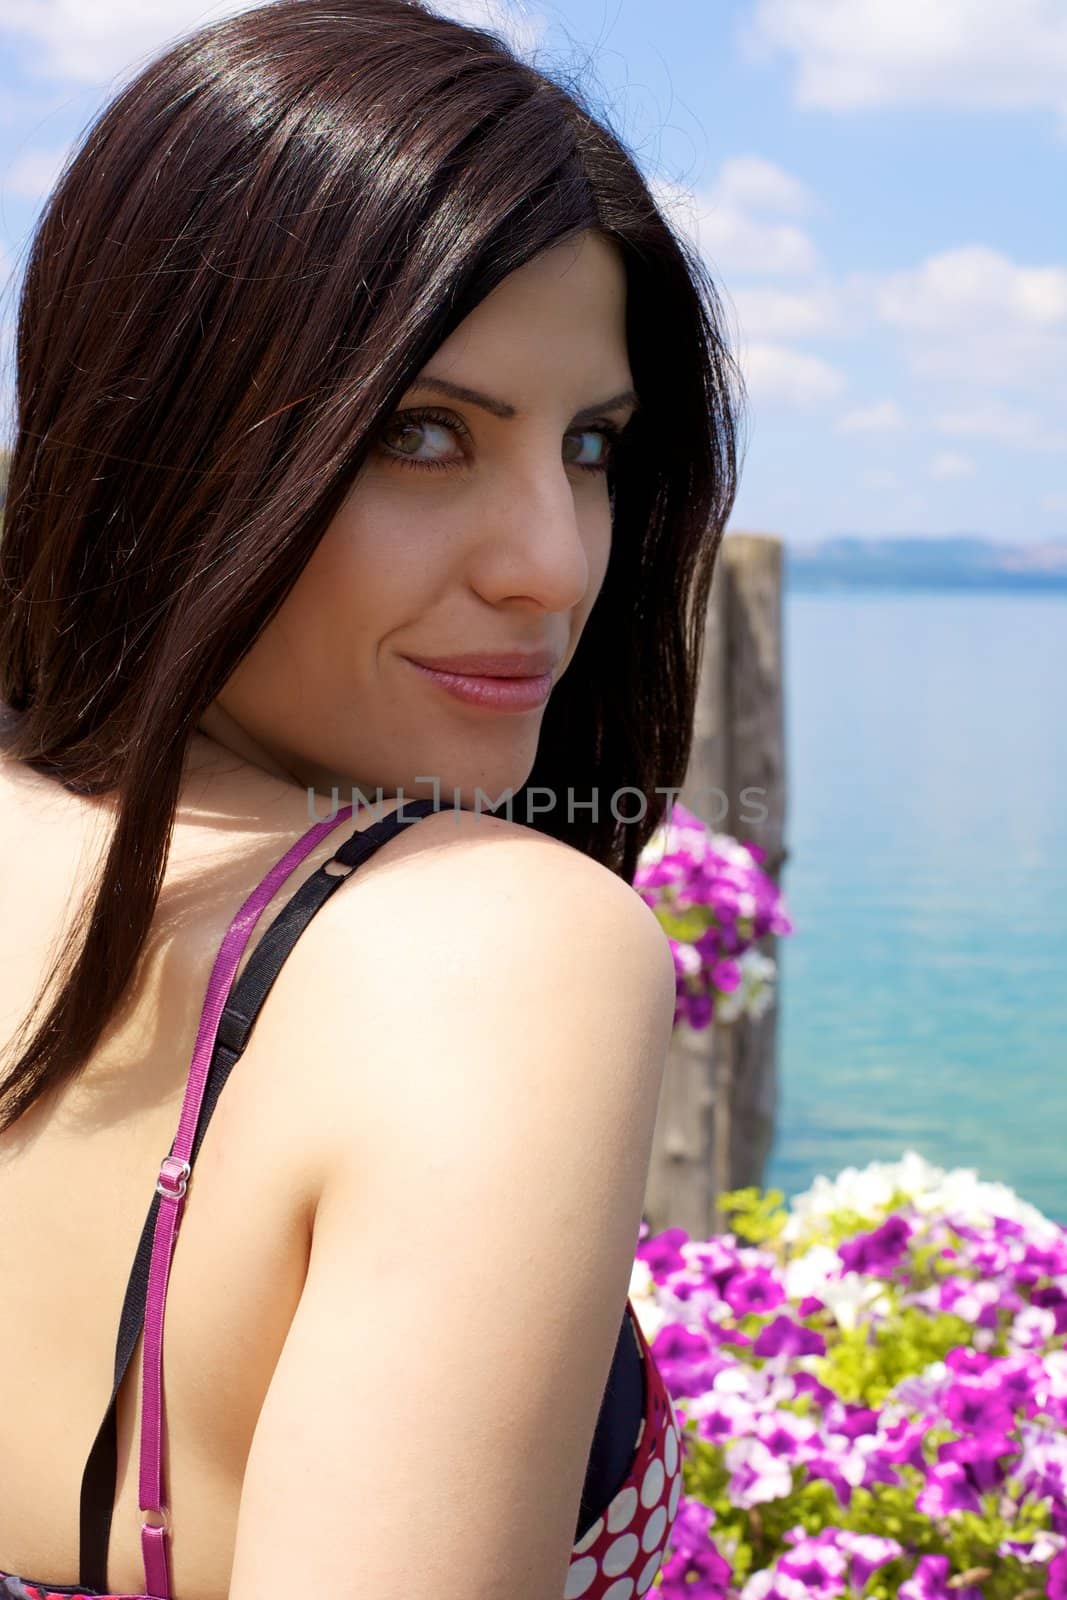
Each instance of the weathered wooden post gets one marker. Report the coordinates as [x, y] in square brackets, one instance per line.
[752, 567]
[718, 1101]
[681, 1183]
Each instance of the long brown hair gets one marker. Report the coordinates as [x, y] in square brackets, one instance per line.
[258, 244]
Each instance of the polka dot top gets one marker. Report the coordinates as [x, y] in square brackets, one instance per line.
[633, 1479]
[619, 1556]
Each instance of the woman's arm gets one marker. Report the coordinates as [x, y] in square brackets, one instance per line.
[488, 1085]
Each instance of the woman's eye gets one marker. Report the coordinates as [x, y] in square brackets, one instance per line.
[601, 442]
[411, 424]
[605, 445]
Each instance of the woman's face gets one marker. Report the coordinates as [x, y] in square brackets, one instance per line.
[479, 528]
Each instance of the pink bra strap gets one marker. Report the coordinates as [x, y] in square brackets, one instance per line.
[173, 1174]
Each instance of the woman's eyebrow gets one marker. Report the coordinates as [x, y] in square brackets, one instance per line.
[501, 408]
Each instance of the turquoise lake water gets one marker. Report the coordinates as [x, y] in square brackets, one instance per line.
[923, 995]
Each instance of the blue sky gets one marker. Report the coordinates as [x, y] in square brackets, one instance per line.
[879, 188]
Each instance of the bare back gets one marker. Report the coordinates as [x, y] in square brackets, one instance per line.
[77, 1173]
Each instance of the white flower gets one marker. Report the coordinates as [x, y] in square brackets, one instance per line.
[922, 1389]
[759, 1585]
[808, 1274]
[689, 959]
[1044, 1546]
[772, 1477]
[852, 1294]
[742, 1413]
[732, 850]
[1055, 1385]
[751, 1383]
[755, 991]
[849, 1460]
[931, 1191]
[1033, 1327]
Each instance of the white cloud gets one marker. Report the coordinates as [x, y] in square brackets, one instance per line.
[737, 243]
[971, 318]
[521, 28]
[103, 40]
[950, 464]
[752, 183]
[767, 313]
[775, 375]
[884, 417]
[95, 41]
[728, 236]
[855, 54]
[1004, 424]
[958, 287]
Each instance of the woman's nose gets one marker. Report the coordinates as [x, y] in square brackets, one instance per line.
[541, 540]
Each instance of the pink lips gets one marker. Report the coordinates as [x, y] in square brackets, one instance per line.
[501, 682]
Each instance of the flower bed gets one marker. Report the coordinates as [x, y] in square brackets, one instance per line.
[714, 902]
[872, 1386]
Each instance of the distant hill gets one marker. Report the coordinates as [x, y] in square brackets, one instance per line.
[956, 562]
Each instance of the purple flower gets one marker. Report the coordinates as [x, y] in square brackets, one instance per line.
[980, 1456]
[902, 1441]
[688, 1364]
[948, 1488]
[810, 1306]
[1054, 1299]
[1057, 1577]
[976, 1408]
[930, 1582]
[818, 1565]
[1042, 1547]
[856, 1420]
[726, 975]
[757, 1290]
[727, 1416]
[784, 1337]
[756, 1475]
[808, 1383]
[877, 1253]
[839, 1465]
[869, 1551]
[694, 1566]
[785, 1434]
[697, 1009]
[662, 1253]
[1043, 1464]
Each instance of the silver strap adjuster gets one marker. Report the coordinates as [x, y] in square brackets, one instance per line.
[174, 1172]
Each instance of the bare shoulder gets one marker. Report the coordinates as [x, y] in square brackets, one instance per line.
[446, 847]
[461, 905]
[481, 1044]
[465, 944]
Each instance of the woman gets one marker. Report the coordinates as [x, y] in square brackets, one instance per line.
[347, 343]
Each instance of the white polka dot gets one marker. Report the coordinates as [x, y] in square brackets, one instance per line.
[653, 1534]
[621, 1510]
[670, 1450]
[620, 1556]
[648, 1572]
[621, 1590]
[652, 1484]
[579, 1576]
[672, 1503]
[590, 1538]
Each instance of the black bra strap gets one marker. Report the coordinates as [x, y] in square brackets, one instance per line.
[235, 1024]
